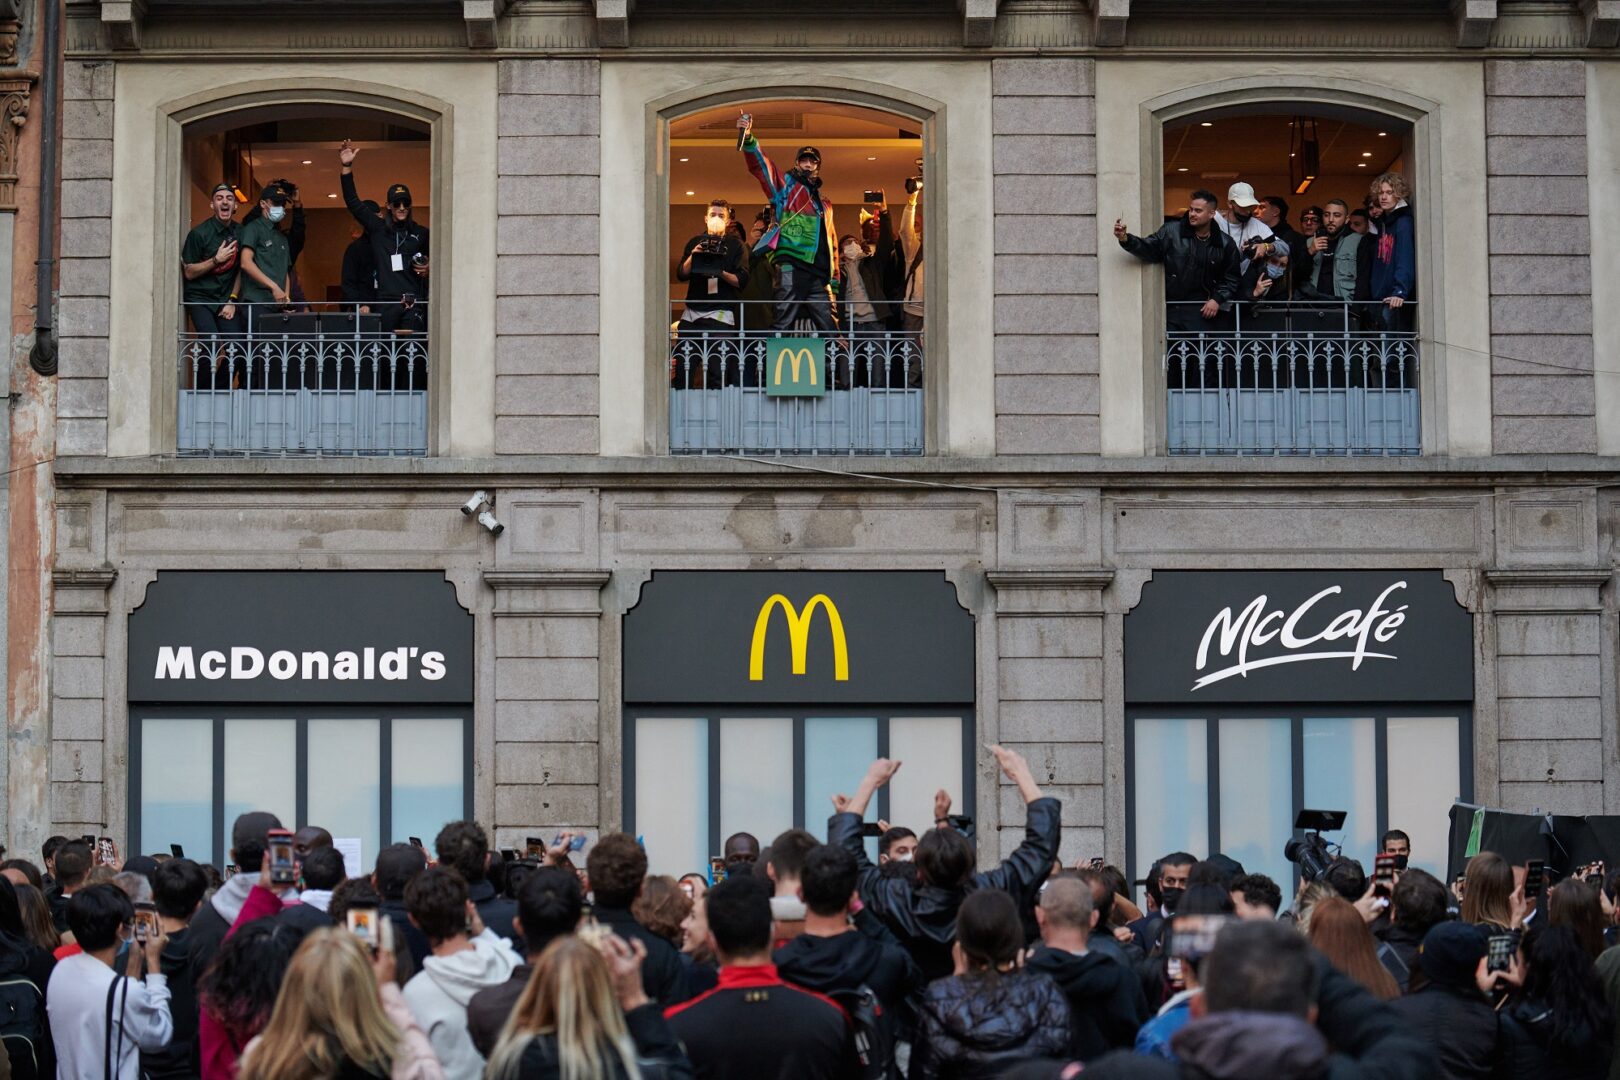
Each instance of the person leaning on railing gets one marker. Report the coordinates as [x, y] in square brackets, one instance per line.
[1394, 264]
[266, 257]
[715, 268]
[1200, 264]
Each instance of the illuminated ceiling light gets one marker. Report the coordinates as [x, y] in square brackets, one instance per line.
[871, 159]
[306, 161]
[686, 159]
[1361, 164]
[1382, 134]
[1366, 153]
[331, 196]
[1182, 169]
[691, 193]
[1206, 123]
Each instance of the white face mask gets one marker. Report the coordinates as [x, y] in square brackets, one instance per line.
[275, 214]
[852, 252]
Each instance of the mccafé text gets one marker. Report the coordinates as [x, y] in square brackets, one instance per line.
[1255, 627]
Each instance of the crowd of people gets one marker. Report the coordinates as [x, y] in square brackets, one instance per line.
[240, 275]
[801, 959]
[792, 271]
[1248, 256]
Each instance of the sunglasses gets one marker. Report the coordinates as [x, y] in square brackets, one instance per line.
[406, 203]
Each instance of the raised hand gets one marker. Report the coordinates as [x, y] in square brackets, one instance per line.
[347, 153]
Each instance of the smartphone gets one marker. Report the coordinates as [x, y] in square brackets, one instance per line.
[106, 853]
[1383, 874]
[146, 921]
[717, 869]
[283, 871]
[534, 847]
[1535, 875]
[1175, 973]
[871, 828]
[1096, 862]
[509, 854]
[575, 842]
[873, 196]
[416, 842]
[1499, 950]
[1593, 874]
[177, 851]
[89, 841]
[362, 923]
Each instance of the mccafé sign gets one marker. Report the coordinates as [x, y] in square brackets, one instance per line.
[300, 636]
[1291, 636]
[798, 637]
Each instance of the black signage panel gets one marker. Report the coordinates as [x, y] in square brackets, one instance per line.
[331, 636]
[841, 637]
[1298, 636]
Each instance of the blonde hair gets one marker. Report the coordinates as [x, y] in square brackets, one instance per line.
[1397, 183]
[569, 996]
[1312, 895]
[1488, 891]
[328, 1010]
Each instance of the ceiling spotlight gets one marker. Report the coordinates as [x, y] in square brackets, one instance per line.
[691, 193]
[686, 159]
[306, 161]
[332, 196]
[871, 159]
[1206, 123]
[1361, 164]
[1366, 153]
[1182, 169]
[1382, 134]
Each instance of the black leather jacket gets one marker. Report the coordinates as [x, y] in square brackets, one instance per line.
[1193, 269]
[971, 1026]
[923, 917]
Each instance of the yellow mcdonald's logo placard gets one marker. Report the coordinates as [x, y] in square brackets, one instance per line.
[799, 635]
[795, 366]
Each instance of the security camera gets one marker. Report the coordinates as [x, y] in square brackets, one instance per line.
[487, 520]
[474, 504]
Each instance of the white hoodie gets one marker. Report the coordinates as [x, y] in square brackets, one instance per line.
[438, 996]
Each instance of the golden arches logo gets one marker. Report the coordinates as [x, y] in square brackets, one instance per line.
[799, 636]
[804, 355]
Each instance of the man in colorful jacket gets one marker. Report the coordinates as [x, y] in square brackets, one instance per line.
[802, 244]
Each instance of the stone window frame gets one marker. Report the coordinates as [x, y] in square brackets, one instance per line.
[830, 90]
[173, 221]
[1426, 173]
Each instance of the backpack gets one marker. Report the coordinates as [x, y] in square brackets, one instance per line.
[22, 1025]
[874, 1036]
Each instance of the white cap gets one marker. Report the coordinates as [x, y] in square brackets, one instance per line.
[1242, 194]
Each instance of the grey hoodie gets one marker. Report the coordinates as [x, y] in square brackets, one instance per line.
[438, 996]
[1243, 1045]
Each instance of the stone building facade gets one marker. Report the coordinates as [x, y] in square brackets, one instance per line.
[1045, 498]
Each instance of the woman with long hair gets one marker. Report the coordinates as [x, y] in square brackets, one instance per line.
[662, 907]
[1339, 933]
[238, 991]
[1488, 892]
[1575, 904]
[22, 959]
[339, 1014]
[585, 1016]
[990, 1012]
[36, 918]
[1557, 1023]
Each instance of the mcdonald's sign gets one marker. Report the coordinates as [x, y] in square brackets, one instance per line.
[799, 635]
[795, 367]
[853, 637]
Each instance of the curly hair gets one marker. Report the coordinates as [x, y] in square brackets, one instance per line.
[240, 986]
[1397, 183]
[662, 907]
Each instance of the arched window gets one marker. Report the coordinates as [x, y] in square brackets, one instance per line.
[305, 297]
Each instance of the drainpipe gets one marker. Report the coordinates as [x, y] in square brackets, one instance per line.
[42, 358]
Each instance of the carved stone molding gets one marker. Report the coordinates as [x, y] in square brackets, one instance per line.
[1109, 18]
[978, 22]
[1474, 21]
[10, 24]
[122, 20]
[1548, 591]
[547, 592]
[483, 18]
[13, 114]
[83, 590]
[613, 22]
[1063, 591]
[1602, 23]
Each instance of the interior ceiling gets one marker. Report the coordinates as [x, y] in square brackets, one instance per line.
[1233, 148]
[379, 165]
[861, 149]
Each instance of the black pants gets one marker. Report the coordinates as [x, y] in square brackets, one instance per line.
[211, 361]
[801, 293]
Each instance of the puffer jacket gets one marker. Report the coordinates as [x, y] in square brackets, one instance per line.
[971, 1026]
[1192, 270]
[802, 214]
[1528, 1051]
[923, 917]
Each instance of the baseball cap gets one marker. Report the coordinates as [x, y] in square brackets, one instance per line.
[221, 187]
[398, 193]
[808, 152]
[1242, 194]
[273, 192]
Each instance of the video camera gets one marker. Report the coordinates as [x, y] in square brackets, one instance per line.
[709, 257]
[1311, 851]
[914, 183]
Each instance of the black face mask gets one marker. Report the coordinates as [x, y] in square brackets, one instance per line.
[1170, 898]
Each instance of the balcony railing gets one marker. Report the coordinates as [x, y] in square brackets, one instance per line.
[723, 398]
[294, 384]
[1293, 379]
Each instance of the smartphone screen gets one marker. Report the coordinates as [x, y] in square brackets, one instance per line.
[1384, 874]
[1499, 950]
[106, 853]
[146, 922]
[283, 871]
[1096, 862]
[362, 923]
[1535, 874]
[717, 869]
[177, 851]
[534, 847]
[416, 842]
[1174, 973]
